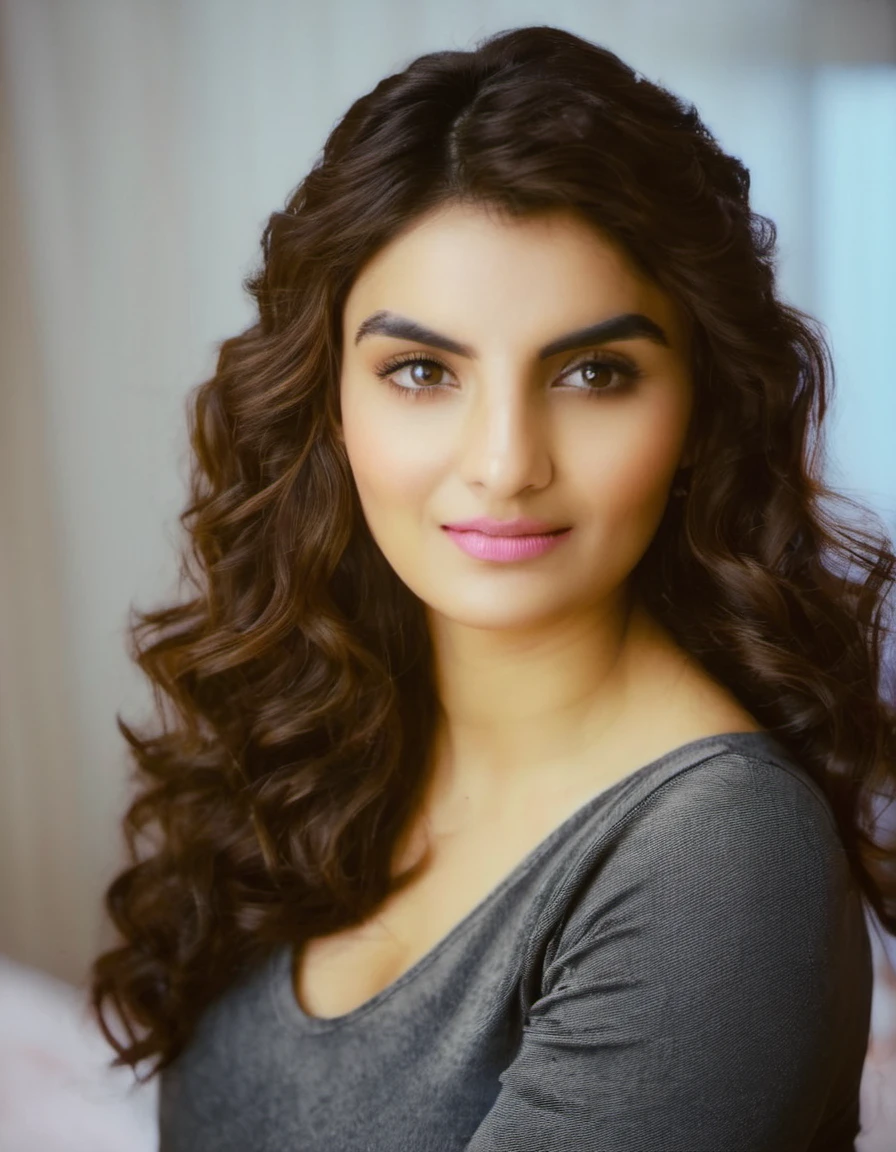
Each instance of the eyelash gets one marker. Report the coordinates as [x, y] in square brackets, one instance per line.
[625, 370]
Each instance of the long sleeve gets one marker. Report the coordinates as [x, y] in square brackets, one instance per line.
[709, 975]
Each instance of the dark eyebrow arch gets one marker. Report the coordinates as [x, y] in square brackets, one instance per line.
[628, 326]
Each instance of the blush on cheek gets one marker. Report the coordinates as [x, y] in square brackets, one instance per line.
[639, 473]
[391, 476]
[656, 450]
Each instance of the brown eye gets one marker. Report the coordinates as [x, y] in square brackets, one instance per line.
[423, 371]
[592, 372]
[602, 374]
[421, 374]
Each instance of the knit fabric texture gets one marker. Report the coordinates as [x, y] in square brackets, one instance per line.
[682, 965]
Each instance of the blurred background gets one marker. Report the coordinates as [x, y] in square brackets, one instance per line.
[143, 144]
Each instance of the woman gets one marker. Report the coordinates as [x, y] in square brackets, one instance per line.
[516, 791]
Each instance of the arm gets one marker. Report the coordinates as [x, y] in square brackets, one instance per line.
[695, 1000]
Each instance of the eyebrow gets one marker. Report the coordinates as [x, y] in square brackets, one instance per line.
[627, 326]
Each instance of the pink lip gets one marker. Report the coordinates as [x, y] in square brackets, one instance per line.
[522, 526]
[505, 548]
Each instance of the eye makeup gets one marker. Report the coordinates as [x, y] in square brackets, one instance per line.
[623, 370]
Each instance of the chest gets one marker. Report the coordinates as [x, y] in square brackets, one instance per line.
[334, 974]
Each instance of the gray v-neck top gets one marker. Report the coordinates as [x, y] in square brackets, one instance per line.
[682, 965]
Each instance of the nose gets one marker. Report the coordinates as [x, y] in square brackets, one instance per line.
[506, 441]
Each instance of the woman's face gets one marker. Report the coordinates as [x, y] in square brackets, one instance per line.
[502, 425]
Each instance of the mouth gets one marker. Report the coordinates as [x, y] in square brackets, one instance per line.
[505, 547]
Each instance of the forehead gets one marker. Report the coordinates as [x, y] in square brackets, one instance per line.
[476, 265]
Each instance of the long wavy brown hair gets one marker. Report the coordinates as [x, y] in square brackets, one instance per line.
[293, 680]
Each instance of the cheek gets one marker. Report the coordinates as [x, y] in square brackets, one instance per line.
[393, 467]
[631, 464]
[627, 492]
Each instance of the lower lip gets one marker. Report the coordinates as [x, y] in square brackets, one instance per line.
[505, 548]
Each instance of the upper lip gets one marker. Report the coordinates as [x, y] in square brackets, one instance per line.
[522, 526]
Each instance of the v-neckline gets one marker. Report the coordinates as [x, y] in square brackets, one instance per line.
[283, 966]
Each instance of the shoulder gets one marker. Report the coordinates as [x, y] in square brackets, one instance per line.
[727, 880]
[739, 836]
[712, 966]
[761, 796]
